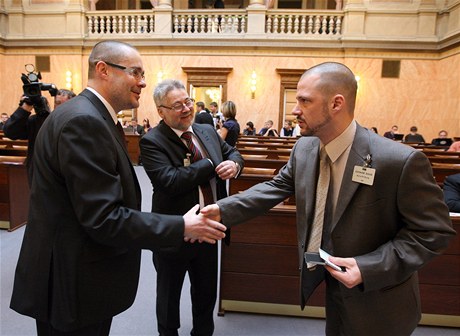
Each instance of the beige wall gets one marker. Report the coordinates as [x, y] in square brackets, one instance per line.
[427, 94]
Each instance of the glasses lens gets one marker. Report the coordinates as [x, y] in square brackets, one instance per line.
[136, 73]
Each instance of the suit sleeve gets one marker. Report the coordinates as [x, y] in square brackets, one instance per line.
[16, 126]
[425, 228]
[260, 198]
[101, 190]
[451, 190]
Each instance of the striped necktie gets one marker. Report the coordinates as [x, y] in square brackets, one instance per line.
[320, 203]
[196, 156]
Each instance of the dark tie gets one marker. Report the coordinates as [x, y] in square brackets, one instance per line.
[196, 156]
[122, 133]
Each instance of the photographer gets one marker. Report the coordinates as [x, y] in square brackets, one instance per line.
[25, 126]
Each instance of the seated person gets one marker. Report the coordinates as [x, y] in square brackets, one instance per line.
[391, 133]
[249, 130]
[442, 139]
[287, 130]
[268, 129]
[134, 128]
[451, 189]
[413, 136]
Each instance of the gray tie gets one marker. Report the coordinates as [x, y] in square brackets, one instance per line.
[320, 204]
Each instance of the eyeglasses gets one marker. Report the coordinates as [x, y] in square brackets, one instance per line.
[179, 107]
[135, 72]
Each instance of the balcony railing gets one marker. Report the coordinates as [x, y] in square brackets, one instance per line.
[210, 23]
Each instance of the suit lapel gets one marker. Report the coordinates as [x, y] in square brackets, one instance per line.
[205, 139]
[359, 150]
[105, 114]
[312, 164]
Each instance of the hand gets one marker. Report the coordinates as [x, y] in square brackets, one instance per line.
[201, 228]
[227, 169]
[352, 277]
[211, 211]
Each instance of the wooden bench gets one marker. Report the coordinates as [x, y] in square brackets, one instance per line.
[14, 192]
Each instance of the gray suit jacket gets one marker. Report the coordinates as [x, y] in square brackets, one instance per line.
[392, 228]
[80, 257]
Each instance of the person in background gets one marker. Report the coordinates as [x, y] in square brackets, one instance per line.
[442, 139]
[249, 130]
[187, 164]
[24, 125]
[4, 119]
[413, 136]
[203, 116]
[296, 130]
[230, 129]
[134, 128]
[146, 125]
[80, 257]
[451, 189]
[216, 114]
[391, 133]
[379, 235]
[374, 129]
[62, 96]
[268, 129]
[287, 130]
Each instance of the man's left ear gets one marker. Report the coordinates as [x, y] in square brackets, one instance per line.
[338, 102]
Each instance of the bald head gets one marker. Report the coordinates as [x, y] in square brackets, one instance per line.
[110, 51]
[335, 78]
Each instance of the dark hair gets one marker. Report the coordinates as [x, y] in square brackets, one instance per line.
[250, 124]
[413, 129]
[200, 104]
[68, 93]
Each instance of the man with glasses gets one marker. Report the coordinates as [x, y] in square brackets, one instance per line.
[80, 257]
[187, 164]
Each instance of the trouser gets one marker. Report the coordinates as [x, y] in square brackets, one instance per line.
[200, 261]
[98, 329]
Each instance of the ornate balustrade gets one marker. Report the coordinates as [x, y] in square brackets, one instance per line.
[212, 23]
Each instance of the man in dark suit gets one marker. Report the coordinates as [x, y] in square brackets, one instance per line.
[180, 181]
[80, 257]
[202, 116]
[385, 216]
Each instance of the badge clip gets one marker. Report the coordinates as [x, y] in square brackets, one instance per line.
[368, 161]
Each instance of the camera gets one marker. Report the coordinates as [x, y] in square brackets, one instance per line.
[33, 87]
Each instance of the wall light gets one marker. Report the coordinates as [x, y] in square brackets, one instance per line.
[160, 75]
[357, 78]
[68, 80]
[253, 84]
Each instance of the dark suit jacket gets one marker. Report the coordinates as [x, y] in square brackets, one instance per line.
[451, 188]
[175, 186]
[204, 118]
[80, 257]
[392, 228]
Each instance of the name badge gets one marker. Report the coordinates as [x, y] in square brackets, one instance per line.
[364, 175]
[187, 160]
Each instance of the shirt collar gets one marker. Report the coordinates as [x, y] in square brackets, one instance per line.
[109, 107]
[179, 132]
[338, 146]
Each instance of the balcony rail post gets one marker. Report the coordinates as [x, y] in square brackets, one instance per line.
[256, 19]
[163, 19]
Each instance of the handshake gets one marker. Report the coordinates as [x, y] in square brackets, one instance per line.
[203, 226]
